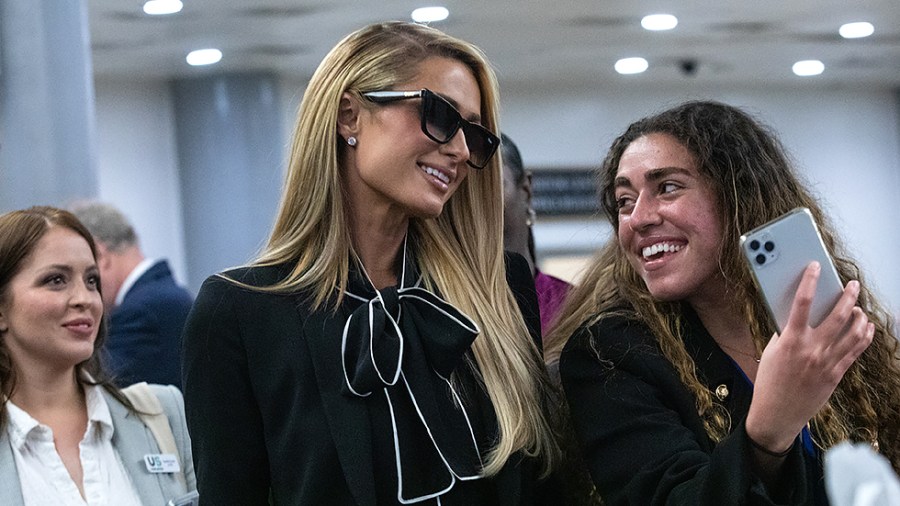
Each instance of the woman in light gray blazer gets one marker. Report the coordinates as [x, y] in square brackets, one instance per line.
[67, 435]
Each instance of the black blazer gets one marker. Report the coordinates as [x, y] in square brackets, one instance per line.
[642, 438]
[263, 382]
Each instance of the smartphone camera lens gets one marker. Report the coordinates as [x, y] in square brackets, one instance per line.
[760, 259]
[769, 246]
[754, 245]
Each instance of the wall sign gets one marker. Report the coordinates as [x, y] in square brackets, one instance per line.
[564, 192]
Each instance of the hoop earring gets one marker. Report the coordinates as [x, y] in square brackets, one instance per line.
[351, 141]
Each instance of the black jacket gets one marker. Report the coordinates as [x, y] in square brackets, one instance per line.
[642, 438]
[263, 394]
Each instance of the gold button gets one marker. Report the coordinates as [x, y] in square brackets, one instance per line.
[721, 392]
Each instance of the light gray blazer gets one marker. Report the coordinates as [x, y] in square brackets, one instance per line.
[132, 440]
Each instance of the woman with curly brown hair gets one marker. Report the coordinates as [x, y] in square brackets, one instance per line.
[680, 389]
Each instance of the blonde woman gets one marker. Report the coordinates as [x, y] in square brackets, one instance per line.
[680, 389]
[375, 352]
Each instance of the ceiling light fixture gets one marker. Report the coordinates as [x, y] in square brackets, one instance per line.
[856, 30]
[430, 14]
[631, 65]
[200, 57]
[659, 22]
[161, 7]
[806, 68]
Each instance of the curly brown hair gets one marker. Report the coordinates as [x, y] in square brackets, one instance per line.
[754, 183]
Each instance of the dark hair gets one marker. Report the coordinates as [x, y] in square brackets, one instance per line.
[20, 231]
[754, 182]
[512, 159]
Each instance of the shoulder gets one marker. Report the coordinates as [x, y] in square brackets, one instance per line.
[521, 284]
[157, 287]
[142, 396]
[257, 275]
[170, 398]
[232, 304]
[158, 275]
[519, 279]
[612, 343]
[613, 335]
[242, 282]
[249, 278]
[516, 267]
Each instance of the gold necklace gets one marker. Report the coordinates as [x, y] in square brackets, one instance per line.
[754, 356]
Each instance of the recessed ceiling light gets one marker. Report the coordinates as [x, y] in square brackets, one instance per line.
[430, 14]
[856, 30]
[805, 68]
[658, 22]
[203, 57]
[160, 7]
[631, 65]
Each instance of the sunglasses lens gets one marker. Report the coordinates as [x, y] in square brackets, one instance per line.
[440, 119]
[481, 144]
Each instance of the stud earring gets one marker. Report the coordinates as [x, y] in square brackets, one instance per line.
[530, 217]
[351, 141]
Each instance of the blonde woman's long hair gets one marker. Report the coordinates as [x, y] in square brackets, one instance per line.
[754, 182]
[460, 253]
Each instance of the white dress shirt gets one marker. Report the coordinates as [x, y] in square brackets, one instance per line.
[45, 480]
[132, 278]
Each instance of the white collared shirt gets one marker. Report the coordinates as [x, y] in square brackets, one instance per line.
[132, 278]
[45, 480]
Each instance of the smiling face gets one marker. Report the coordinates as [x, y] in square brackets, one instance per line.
[51, 309]
[394, 165]
[670, 227]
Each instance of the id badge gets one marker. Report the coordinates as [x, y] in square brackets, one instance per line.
[161, 463]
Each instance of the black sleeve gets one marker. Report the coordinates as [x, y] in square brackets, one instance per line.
[223, 417]
[640, 434]
[521, 282]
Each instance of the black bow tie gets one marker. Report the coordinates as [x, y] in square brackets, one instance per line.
[403, 343]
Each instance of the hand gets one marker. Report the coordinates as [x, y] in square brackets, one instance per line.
[800, 368]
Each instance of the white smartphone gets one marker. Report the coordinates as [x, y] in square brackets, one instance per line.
[779, 252]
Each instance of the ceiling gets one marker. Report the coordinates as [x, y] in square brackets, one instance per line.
[540, 43]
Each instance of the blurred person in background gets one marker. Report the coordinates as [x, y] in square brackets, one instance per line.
[518, 235]
[147, 308]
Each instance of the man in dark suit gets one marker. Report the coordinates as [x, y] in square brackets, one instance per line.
[146, 308]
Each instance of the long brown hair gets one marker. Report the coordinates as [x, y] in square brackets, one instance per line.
[754, 182]
[20, 231]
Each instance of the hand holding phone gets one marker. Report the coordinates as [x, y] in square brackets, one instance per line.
[778, 252]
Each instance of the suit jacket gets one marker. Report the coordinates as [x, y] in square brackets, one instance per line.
[637, 423]
[132, 440]
[263, 392]
[144, 341]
